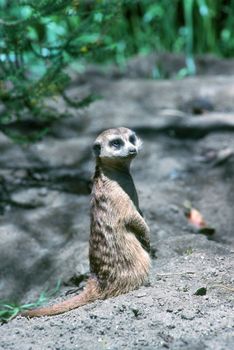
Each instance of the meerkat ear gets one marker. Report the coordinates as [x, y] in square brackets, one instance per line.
[97, 149]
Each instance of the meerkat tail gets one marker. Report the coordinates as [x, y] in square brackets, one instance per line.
[90, 294]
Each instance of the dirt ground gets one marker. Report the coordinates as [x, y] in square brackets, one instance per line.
[188, 156]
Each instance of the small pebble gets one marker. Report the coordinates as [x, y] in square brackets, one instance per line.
[141, 295]
[188, 315]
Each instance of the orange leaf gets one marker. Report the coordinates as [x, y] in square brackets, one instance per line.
[196, 218]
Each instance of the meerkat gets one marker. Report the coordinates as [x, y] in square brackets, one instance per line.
[119, 241]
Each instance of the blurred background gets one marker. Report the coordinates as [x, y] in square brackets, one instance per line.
[40, 39]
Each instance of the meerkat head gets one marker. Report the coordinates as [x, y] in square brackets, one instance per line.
[117, 145]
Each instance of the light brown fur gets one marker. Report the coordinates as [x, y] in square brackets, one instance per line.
[119, 237]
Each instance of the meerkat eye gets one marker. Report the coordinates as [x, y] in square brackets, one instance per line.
[117, 143]
[132, 139]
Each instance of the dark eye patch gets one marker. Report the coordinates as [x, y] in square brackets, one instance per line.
[132, 139]
[117, 143]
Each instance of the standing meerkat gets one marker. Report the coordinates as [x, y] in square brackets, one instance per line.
[119, 238]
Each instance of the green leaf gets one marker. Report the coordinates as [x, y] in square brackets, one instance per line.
[201, 291]
[98, 17]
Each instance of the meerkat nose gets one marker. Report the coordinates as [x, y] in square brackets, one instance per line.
[132, 150]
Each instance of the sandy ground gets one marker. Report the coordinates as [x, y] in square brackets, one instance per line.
[45, 221]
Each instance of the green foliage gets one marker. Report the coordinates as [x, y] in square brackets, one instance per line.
[10, 310]
[40, 38]
[178, 26]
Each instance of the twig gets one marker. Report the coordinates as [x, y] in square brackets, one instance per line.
[175, 274]
[222, 286]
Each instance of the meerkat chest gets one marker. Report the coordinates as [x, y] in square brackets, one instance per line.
[111, 202]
